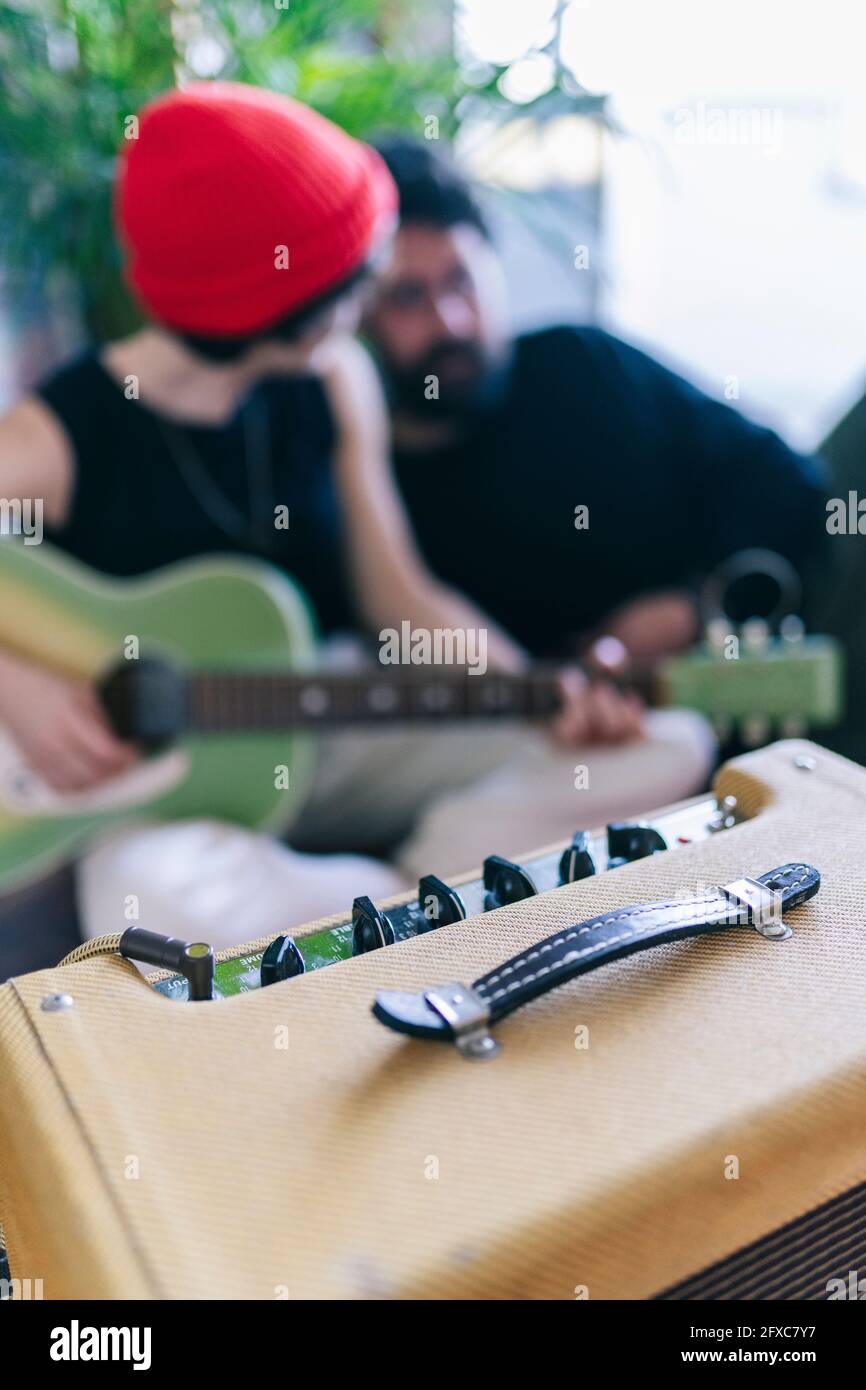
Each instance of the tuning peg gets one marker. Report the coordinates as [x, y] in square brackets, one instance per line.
[793, 726]
[717, 632]
[791, 628]
[756, 635]
[755, 730]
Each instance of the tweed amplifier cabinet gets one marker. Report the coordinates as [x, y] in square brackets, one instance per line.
[684, 1122]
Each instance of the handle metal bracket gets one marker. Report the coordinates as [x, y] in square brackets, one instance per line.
[765, 905]
[468, 1017]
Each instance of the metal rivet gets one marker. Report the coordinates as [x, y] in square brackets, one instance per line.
[53, 1003]
[478, 1046]
[805, 762]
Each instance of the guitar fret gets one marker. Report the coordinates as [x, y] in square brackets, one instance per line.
[222, 701]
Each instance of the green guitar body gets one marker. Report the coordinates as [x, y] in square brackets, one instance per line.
[216, 613]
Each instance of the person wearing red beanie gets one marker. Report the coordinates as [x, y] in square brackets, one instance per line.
[237, 208]
[248, 223]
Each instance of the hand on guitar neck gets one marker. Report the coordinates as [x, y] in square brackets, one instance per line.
[642, 631]
[594, 710]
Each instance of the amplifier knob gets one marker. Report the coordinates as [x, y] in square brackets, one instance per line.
[577, 861]
[370, 928]
[505, 882]
[627, 842]
[441, 905]
[281, 961]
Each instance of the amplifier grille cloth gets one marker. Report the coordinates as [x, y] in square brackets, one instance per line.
[795, 1262]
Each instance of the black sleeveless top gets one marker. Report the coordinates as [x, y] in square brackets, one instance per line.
[139, 504]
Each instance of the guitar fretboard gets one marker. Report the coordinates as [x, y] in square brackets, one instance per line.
[231, 701]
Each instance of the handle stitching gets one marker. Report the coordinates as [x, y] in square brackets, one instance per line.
[571, 956]
[627, 915]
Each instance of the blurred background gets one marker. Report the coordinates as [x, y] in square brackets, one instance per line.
[692, 176]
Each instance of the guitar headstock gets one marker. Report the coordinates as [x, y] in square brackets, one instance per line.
[759, 682]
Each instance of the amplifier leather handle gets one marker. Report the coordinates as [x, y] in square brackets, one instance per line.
[463, 1014]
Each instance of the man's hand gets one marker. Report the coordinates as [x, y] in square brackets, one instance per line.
[595, 711]
[59, 726]
[653, 625]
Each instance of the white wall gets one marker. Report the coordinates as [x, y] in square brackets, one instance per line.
[728, 257]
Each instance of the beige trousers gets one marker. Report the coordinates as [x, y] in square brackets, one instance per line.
[455, 795]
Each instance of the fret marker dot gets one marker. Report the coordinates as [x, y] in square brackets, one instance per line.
[313, 699]
[437, 697]
[382, 698]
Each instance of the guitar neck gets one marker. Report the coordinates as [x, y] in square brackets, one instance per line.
[232, 701]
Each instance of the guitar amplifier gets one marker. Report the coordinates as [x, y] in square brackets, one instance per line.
[687, 1122]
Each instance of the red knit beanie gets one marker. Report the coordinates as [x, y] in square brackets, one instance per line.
[237, 206]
